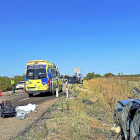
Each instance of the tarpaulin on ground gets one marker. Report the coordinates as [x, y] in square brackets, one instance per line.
[23, 111]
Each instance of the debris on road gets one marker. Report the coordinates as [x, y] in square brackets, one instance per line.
[117, 130]
[23, 111]
[74, 96]
[106, 125]
[89, 102]
[7, 109]
[21, 114]
[135, 90]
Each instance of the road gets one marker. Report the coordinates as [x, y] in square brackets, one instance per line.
[22, 98]
[10, 127]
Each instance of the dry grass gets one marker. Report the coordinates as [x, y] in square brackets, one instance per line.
[109, 90]
[79, 121]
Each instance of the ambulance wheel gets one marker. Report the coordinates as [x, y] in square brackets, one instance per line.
[30, 95]
[53, 93]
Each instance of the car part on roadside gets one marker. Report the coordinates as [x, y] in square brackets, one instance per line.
[127, 116]
[7, 110]
[135, 90]
[21, 114]
[23, 111]
[75, 80]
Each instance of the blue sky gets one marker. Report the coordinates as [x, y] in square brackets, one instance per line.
[99, 36]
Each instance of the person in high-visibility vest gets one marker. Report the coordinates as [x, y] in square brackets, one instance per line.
[13, 85]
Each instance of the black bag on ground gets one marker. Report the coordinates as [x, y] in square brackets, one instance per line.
[7, 109]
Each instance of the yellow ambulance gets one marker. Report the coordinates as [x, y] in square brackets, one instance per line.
[41, 76]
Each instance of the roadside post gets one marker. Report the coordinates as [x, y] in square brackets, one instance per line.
[121, 76]
[67, 89]
[57, 87]
[52, 87]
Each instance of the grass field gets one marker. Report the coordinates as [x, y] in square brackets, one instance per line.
[86, 114]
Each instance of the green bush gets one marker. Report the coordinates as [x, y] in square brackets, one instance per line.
[18, 78]
[97, 75]
[109, 75]
[92, 75]
[5, 83]
[89, 76]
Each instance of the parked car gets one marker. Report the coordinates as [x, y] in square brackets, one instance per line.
[20, 85]
[127, 116]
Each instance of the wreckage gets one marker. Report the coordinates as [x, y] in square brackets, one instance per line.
[23, 111]
[20, 112]
[7, 109]
[127, 118]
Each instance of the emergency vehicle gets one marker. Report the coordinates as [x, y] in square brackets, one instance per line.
[41, 76]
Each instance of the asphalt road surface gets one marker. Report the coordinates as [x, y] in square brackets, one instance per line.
[22, 98]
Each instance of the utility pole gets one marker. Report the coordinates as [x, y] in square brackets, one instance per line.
[12, 72]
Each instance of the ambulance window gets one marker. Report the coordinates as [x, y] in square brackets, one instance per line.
[53, 73]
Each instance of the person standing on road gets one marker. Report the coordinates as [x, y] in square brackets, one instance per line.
[13, 85]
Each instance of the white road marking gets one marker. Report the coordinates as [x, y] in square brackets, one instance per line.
[15, 94]
[23, 99]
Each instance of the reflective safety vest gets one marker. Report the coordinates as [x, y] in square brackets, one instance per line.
[12, 82]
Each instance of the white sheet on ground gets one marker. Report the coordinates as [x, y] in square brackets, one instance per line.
[23, 111]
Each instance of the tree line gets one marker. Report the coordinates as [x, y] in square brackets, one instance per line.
[5, 82]
[93, 75]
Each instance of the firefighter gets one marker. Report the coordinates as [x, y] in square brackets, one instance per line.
[13, 85]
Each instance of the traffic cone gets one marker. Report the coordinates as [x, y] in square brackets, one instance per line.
[0, 92]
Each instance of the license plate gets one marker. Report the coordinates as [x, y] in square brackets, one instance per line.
[31, 88]
[36, 93]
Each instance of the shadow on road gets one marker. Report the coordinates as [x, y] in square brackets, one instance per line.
[47, 95]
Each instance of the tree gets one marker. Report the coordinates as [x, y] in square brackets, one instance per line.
[89, 76]
[97, 75]
[18, 78]
[109, 74]
[5, 82]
